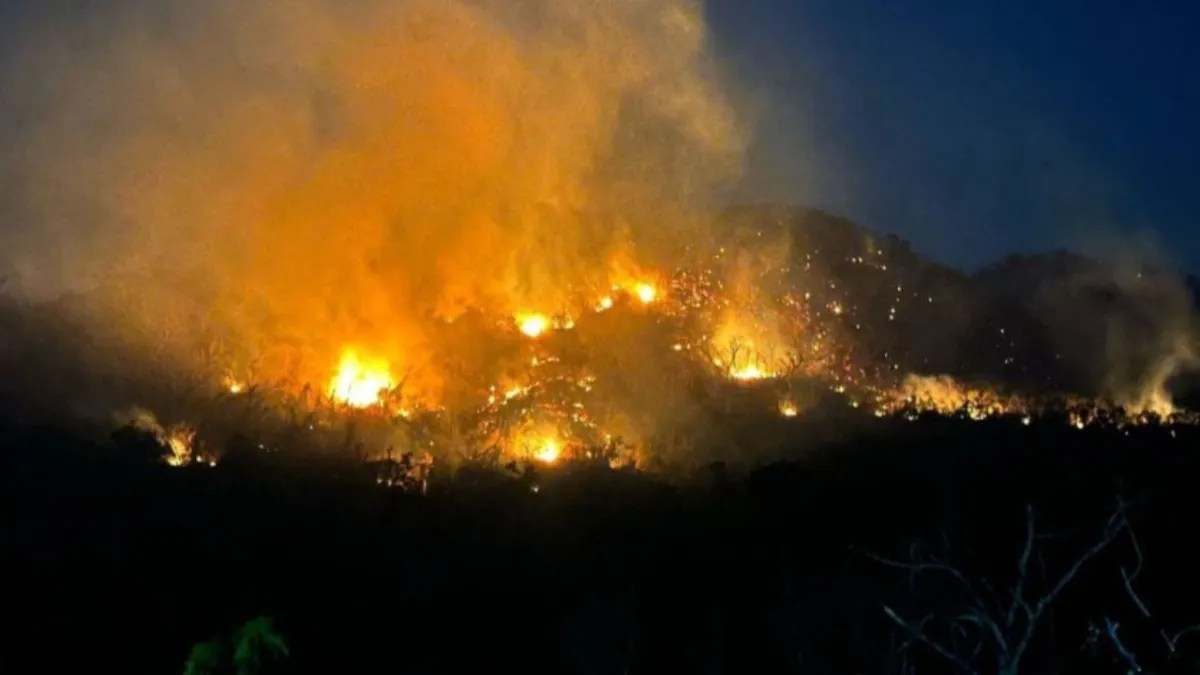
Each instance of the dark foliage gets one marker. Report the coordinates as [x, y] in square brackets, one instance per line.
[127, 565]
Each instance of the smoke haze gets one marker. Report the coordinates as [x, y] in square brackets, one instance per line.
[317, 173]
[234, 195]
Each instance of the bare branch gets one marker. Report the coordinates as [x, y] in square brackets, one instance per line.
[1117, 523]
[1133, 594]
[1128, 577]
[1010, 624]
[1018, 593]
[1137, 548]
[918, 567]
[1110, 629]
[1173, 640]
[919, 635]
[987, 624]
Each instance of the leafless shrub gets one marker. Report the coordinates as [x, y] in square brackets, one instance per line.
[987, 631]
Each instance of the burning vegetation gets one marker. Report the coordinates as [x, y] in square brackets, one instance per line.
[629, 375]
[483, 231]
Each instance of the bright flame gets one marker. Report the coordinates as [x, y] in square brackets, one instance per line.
[605, 304]
[532, 325]
[233, 385]
[548, 451]
[788, 409]
[646, 293]
[359, 384]
[179, 444]
[749, 372]
[946, 396]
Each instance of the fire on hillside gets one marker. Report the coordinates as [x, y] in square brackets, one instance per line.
[484, 231]
[627, 366]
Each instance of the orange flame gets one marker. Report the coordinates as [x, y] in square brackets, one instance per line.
[360, 384]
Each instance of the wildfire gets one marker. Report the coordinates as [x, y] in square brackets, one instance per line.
[532, 325]
[645, 292]
[548, 452]
[750, 372]
[359, 384]
[946, 396]
[1154, 401]
[233, 385]
[178, 440]
[542, 407]
[455, 189]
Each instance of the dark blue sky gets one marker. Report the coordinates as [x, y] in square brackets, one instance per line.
[975, 128]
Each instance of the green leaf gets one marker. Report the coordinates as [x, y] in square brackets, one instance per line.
[255, 643]
[204, 659]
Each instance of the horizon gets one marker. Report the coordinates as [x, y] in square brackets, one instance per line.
[981, 265]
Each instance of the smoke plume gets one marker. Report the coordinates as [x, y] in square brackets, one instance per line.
[284, 179]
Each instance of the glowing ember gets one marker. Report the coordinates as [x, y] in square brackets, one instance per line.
[548, 451]
[532, 325]
[646, 293]
[788, 409]
[605, 304]
[359, 384]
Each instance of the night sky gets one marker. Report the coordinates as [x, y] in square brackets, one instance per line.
[979, 128]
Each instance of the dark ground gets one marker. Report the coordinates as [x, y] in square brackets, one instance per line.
[118, 566]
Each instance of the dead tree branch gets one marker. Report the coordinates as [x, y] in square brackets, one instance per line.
[1009, 627]
[918, 634]
[1170, 639]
